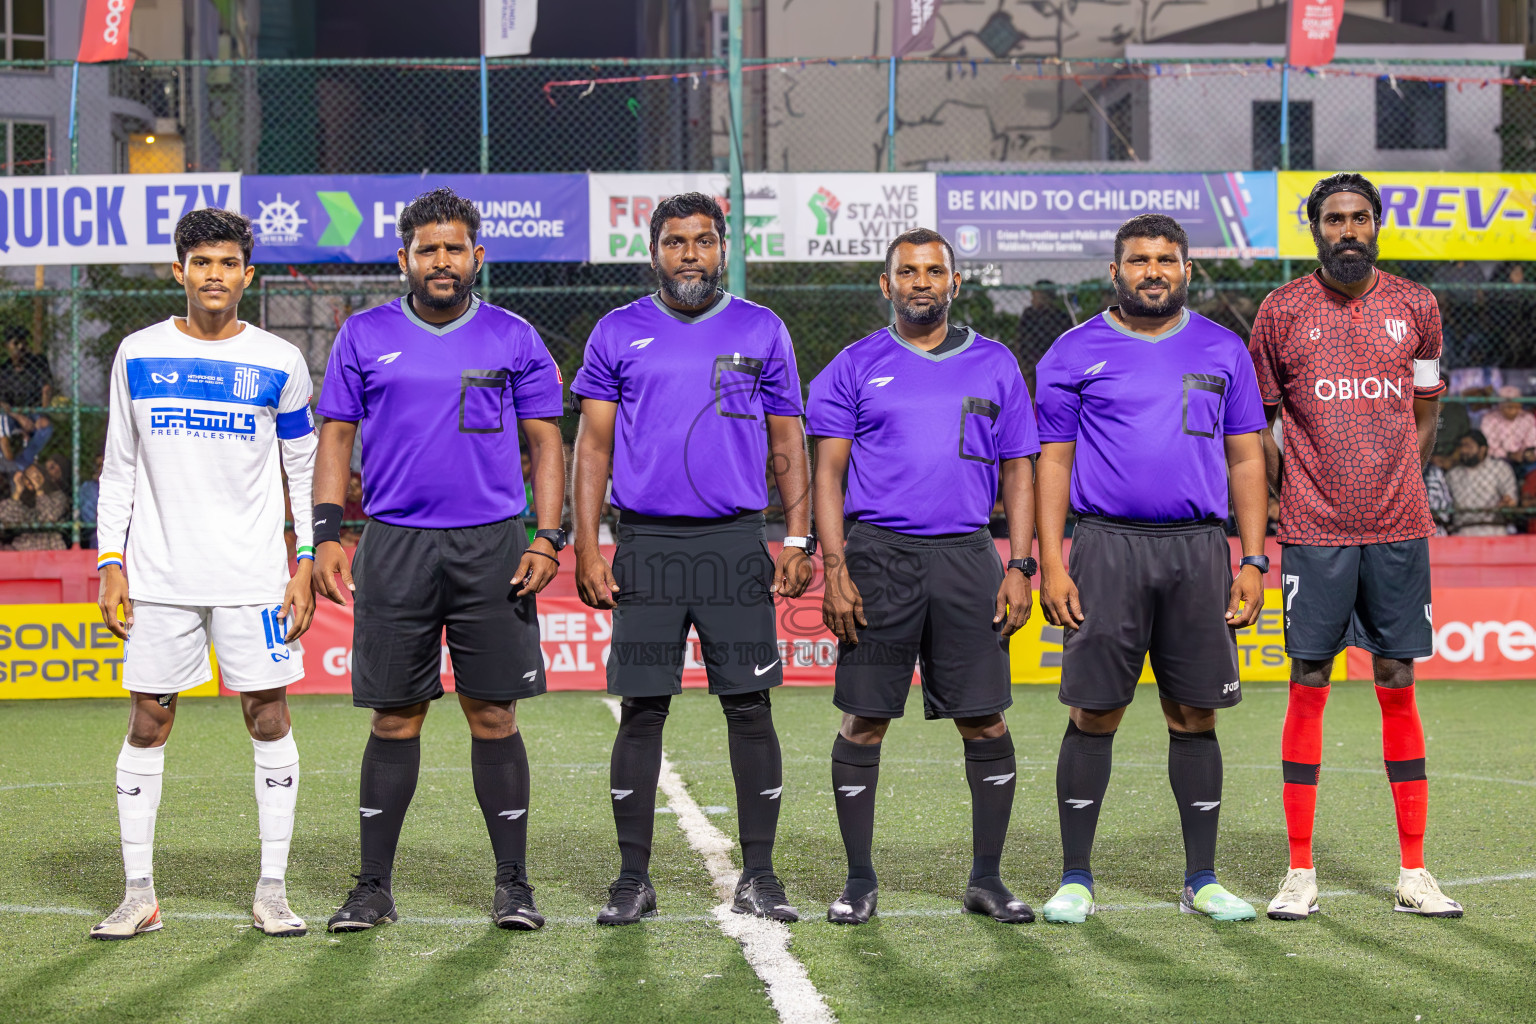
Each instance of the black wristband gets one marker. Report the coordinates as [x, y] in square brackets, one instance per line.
[327, 523]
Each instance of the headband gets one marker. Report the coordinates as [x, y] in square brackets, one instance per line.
[1316, 200]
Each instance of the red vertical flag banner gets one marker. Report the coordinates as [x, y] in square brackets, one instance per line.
[1314, 32]
[912, 24]
[104, 31]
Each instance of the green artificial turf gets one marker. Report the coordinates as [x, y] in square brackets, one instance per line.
[921, 960]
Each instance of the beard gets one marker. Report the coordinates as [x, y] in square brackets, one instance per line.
[423, 296]
[1346, 267]
[1470, 460]
[692, 294]
[1132, 304]
[922, 316]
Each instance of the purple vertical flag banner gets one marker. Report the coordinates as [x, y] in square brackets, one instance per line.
[912, 26]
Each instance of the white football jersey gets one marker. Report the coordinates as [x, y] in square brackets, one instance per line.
[191, 501]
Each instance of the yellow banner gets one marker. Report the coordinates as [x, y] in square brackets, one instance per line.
[63, 650]
[1439, 216]
[1035, 651]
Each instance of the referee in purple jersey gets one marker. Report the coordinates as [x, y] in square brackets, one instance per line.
[439, 382]
[688, 396]
[1144, 411]
[923, 418]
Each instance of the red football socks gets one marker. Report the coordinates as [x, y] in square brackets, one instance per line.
[1402, 747]
[1301, 753]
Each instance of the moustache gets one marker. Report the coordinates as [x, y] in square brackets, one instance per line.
[443, 275]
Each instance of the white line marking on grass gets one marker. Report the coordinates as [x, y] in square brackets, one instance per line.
[764, 943]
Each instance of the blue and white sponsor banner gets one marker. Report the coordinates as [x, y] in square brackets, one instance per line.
[351, 218]
[1054, 216]
[105, 218]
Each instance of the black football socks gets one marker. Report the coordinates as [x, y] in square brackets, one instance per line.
[855, 779]
[388, 782]
[1082, 778]
[632, 773]
[757, 765]
[1194, 772]
[992, 773]
[500, 769]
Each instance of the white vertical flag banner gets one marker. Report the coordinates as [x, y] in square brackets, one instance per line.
[507, 26]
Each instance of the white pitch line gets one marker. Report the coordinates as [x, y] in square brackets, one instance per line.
[764, 943]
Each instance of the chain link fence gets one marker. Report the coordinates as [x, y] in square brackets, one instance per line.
[1024, 116]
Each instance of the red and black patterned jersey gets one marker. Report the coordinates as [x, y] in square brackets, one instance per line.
[1345, 372]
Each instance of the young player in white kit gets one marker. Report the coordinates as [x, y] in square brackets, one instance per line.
[190, 526]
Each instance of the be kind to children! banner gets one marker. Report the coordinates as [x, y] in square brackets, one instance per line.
[1428, 216]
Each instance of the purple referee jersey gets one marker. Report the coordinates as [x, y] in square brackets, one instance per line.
[690, 437]
[928, 429]
[439, 405]
[1148, 415]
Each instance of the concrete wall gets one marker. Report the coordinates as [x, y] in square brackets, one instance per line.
[1182, 110]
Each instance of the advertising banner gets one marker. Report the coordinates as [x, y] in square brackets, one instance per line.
[1428, 216]
[102, 218]
[1313, 32]
[1049, 216]
[62, 650]
[104, 31]
[327, 218]
[576, 639]
[802, 217]
[1480, 633]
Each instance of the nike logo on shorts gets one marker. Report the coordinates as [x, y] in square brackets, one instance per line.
[760, 670]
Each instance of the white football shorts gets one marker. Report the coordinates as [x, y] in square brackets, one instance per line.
[167, 649]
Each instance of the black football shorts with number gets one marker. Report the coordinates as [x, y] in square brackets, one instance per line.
[1150, 589]
[1372, 596]
[412, 584]
[710, 574]
[929, 602]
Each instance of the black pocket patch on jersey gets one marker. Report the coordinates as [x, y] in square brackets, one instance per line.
[480, 401]
[978, 417]
[1203, 393]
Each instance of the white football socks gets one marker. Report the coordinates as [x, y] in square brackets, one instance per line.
[277, 792]
[139, 774]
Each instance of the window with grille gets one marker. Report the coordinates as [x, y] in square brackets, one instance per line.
[23, 30]
[23, 148]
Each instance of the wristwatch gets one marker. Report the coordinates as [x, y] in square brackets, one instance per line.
[556, 538]
[1027, 566]
[807, 544]
[1259, 562]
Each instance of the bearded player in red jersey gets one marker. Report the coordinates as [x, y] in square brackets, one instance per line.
[1350, 357]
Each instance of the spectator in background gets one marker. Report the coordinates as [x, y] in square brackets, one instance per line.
[27, 379]
[352, 510]
[1480, 488]
[1041, 323]
[1440, 501]
[34, 499]
[1510, 430]
[1453, 422]
[90, 490]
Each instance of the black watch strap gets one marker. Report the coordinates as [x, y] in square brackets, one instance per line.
[1259, 562]
[1027, 566]
[555, 537]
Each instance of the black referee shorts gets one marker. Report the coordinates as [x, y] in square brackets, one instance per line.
[929, 602]
[1372, 596]
[1150, 588]
[411, 584]
[711, 574]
